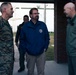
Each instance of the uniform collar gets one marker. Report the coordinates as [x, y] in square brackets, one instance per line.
[5, 21]
[71, 21]
[73, 18]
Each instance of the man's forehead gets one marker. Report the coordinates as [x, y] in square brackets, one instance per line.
[35, 10]
[69, 5]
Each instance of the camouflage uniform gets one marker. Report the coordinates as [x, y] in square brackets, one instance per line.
[6, 48]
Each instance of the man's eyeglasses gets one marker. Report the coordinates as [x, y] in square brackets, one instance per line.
[35, 13]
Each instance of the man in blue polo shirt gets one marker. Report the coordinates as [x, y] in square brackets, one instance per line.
[34, 40]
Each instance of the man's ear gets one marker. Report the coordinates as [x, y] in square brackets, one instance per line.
[30, 15]
[71, 9]
[4, 9]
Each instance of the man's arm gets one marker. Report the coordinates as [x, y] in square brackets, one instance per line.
[46, 38]
[17, 36]
[22, 41]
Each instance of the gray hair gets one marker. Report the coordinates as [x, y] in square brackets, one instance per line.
[3, 5]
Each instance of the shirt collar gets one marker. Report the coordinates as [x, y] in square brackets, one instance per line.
[32, 24]
[73, 18]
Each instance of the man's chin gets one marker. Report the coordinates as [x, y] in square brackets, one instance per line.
[36, 18]
[11, 16]
[67, 16]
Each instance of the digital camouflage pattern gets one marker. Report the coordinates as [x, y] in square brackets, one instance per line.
[6, 48]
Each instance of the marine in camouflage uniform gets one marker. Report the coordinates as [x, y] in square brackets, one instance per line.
[6, 48]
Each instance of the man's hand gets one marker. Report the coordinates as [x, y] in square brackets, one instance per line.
[44, 50]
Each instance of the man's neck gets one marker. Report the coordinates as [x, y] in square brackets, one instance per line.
[73, 15]
[5, 17]
[34, 21]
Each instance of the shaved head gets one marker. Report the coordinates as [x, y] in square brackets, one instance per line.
[69, 9]
[70, 5]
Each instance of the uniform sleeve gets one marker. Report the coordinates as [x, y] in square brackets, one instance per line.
[1, 26]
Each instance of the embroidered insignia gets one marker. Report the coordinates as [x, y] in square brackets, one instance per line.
[40, 30]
